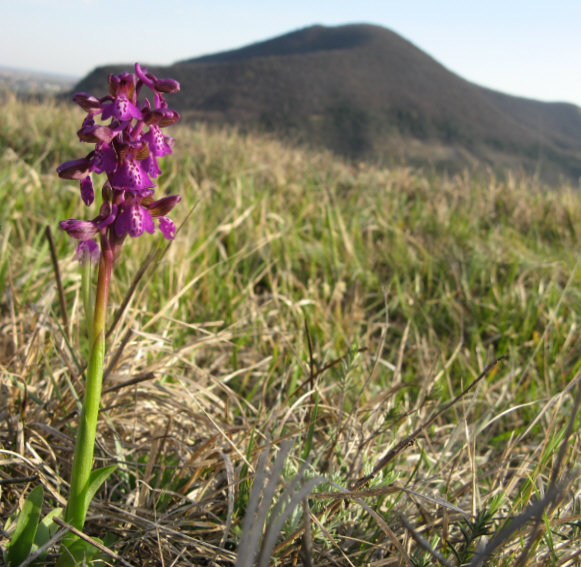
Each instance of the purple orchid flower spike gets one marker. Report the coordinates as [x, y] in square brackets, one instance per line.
[126, 150]
[128, 140]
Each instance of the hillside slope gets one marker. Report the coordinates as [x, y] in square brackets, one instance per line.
[365, 92]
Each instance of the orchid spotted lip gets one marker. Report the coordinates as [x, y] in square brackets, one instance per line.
[126, 151]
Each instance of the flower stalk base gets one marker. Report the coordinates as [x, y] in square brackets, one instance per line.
[83, 459]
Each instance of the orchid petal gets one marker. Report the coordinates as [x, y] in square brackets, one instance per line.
[162, 206]
[146, 77]
[79, 229]
[87, 251]
[157, 142]
[87, 193]
[74, 169]
[160, 116]
[131, 175]
[95, 134]
[150, 165]
[167, 228]
[134, 220]
[87, 102]
[122, 85]
[104, 159]
[167, 86]
[121, 108]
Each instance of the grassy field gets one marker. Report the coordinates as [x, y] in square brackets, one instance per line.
[393, 356]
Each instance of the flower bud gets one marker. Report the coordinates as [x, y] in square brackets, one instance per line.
[166, 86]
[160, 117]
[87, 102]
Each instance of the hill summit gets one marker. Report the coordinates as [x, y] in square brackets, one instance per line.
[365, 92]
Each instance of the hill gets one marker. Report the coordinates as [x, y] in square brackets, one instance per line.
[365, 92]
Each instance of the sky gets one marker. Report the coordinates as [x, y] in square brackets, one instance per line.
[526, 48]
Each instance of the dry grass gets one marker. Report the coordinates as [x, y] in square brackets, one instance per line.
[326, 311]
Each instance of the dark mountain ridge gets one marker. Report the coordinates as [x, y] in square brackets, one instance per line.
[308, 40]
[367, 93]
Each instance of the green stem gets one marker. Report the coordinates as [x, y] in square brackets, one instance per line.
[78, 503]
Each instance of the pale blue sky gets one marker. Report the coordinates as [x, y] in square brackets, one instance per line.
[529, 48]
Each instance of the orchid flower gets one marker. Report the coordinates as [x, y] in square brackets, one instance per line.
[126, 151]
[128, 140]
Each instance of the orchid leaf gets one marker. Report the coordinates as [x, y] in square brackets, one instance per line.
[96, 479]
[78, 552]
[26, 526]
[47, 528]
